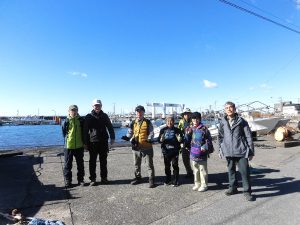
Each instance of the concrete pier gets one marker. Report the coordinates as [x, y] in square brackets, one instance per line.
[34, 183]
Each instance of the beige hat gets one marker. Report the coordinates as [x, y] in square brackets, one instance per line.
[97, 102]
[186, 111]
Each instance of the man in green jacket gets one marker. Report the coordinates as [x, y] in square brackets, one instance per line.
[73, 133]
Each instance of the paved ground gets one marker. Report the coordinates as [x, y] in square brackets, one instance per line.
[34, 183]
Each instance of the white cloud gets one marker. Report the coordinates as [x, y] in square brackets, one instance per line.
[80, 74]
[265, 87]
[209, 84]
[297, 4]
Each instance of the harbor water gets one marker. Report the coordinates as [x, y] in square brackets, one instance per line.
[18, 137]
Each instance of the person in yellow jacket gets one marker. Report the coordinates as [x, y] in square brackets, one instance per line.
[184, 123]
[140, 133]
[73, 133]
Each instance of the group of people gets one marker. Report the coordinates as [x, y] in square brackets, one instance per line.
[191, 138]
[92, 133]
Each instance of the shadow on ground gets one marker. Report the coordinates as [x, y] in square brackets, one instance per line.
[21, 188]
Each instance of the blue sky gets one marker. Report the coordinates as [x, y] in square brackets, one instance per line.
[128, 52]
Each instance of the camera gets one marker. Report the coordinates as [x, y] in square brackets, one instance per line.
[134, 143]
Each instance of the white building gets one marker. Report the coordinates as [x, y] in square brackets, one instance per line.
[291, 110]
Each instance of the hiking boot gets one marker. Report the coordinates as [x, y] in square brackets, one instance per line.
[168, 181]
[248, 196]
[104, 181]
[231, 192]
[202, 189]
[81, 183]
[136, 181]
[151, 183]
[93, 183]
[175, 184]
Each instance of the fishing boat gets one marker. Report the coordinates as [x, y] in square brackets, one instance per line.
[213, 128]
[116, 123]
[261, 117]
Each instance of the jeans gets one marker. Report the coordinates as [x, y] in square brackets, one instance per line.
[186, 160]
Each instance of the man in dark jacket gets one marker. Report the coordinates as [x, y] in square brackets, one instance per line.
[96, 140]
[235, 143]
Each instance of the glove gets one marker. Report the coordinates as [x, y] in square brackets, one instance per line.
[220, 155]
[112, 141]
[86, 147]
[204, 148]
[179, 139]
[125, 138]
[188, 130]
[149, 140]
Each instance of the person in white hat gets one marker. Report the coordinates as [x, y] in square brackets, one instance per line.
[185, 122]
[96, 125]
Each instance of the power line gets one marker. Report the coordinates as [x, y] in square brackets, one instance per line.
[271, 14]
[259, 16]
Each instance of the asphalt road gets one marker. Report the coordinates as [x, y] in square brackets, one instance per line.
[34, 184]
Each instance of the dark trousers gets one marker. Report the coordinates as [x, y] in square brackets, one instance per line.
[174, 161]
[101, 149]
[69, 154]
[186, 160]
[243, 166]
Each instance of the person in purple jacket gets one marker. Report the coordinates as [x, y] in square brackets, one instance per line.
[201, 141]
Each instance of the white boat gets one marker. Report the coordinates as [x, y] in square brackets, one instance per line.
[116, 123]
[213, 129]
[264, 125]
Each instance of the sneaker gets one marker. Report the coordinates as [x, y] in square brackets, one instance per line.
[81, 183]
[195, 188]
[231, 192]
[248, 196]
[136, 181]
[151, 184]
[93, 183]
[202, 189]
[104, 181]
[175, 184]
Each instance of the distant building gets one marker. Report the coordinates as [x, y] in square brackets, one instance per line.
[291, 109]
